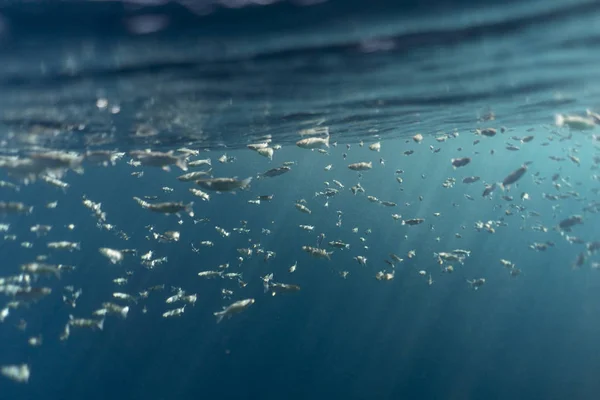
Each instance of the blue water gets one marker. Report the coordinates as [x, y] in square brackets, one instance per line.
[223, 78]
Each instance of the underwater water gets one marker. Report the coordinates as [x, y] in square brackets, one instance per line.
[458, 264]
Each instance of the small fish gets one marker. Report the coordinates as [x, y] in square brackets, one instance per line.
[567, 223]
[470, 179]
[18, 373]
[574, 122]
[489, 189]
[476, 283]
[224, 184]
[198, 163]
[303, 208]
[171, 207]
[234, 308]
[64, 245]
[361, 166]
[313, 143]
[194, 176]
[159, 159]
[460, 162]
[317, 252]
[514, 176]
[276, 172]
[489, 132]
[338, 244]
[13, 207]
[412, 222]
[174, 313]
[114, 256]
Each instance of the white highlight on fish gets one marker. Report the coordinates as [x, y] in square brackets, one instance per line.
[114, 256]
[18, 373]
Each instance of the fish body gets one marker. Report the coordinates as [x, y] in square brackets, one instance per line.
[234, 308]
[159, 159]
[514, 176]
[361, 166]
[460, 162]
[224, 184]
[313, 143]
[276, 172]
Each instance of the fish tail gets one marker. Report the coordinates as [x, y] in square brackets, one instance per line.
[141, 202]
[182, 163]
[327, 141]
[246, 182]
[189, 209]
[100, 324]
[220, 315]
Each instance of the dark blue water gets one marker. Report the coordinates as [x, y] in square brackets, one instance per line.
[220, 78]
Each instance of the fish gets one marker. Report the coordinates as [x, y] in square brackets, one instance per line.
[160, 159]
[460, 162]
[489, 189]
[513, 177]
[574, 122]
[412, 222]
[567, 223]
[234, 308]
[470, 179]
[224, 184]
[489, 132]
[276, 172]
[313, 143]
[13, 207]
[361, 166]
[194, 176]
[170, 207]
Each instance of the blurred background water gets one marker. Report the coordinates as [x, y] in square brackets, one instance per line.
[218, 75]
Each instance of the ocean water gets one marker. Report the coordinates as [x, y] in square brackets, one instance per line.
[218, 76]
